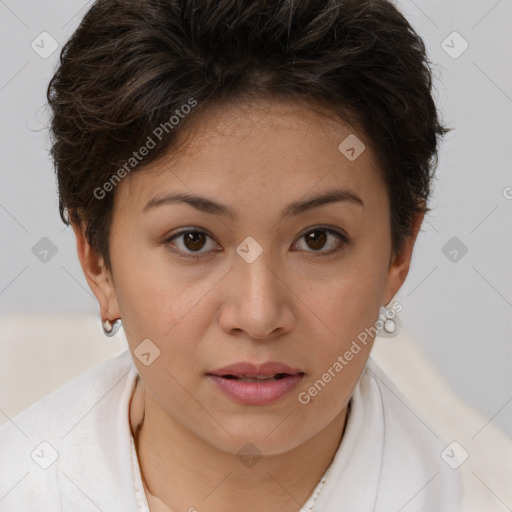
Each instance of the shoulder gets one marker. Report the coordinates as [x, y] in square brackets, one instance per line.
[64, 406]
[60, 443]
[412, 463]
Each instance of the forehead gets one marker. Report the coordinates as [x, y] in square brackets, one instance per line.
[268, 145]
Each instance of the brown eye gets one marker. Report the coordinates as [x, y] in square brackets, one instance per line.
[194, 240]
[316, 239]
[189, 243]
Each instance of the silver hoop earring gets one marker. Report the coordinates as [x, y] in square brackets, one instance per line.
[389, 324]
[110, 329]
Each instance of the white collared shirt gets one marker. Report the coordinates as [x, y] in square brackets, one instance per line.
[73, 451]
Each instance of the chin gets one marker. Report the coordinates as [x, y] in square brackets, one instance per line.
[265, 437]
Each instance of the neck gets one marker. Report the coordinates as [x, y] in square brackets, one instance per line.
[187, 473]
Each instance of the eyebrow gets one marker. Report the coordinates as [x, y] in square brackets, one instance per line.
[207, 205]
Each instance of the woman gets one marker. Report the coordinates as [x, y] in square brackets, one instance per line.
[246, 184]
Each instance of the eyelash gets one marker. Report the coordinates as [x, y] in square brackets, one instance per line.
[338, 234]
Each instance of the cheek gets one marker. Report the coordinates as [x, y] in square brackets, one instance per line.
[163, 309]
[145, 290]
[341, 347]
[346, 309]
[350, 301]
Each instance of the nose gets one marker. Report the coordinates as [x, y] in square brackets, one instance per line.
[258, 300]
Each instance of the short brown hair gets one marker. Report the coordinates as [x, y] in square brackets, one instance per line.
[131, 64]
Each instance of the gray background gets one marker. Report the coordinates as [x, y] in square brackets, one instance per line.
[460, 310]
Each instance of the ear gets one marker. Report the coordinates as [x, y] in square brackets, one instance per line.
[99, 279]
[400, 263]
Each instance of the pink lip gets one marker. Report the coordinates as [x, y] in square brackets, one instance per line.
[256, 393]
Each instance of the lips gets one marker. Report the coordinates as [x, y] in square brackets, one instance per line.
[248, 370]
[258, 378]
[251, 384]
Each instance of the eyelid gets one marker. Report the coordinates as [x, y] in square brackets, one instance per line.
[324, 227]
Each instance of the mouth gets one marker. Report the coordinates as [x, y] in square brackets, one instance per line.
[248, 384]
[259, 378]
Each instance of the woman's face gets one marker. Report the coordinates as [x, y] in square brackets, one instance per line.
[279, 278]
